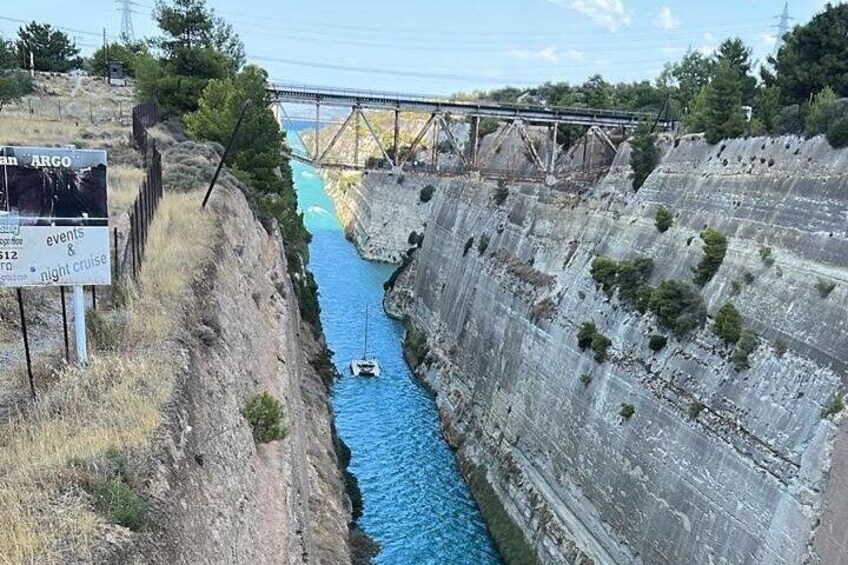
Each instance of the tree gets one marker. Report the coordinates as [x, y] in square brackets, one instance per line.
[13, 85]
[819, 114]
[644, 155]
[723, 117]
[737, 56]
[814, 56]
[192, 56]
[8, 57]
[51, 49]
[686, 78]
[125, 53]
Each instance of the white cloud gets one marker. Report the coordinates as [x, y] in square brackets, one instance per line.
[665, 19]
[549, 54]
[609, 13]
[574, 55]
[768, 39]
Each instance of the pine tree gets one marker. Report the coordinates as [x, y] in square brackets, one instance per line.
[644, 154]
[723, 112]
[51, 49]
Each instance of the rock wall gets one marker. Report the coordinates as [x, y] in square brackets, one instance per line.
[715, 465]
[379, 211]
[219, 497]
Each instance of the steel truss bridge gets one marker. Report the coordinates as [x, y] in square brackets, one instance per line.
[432, 119]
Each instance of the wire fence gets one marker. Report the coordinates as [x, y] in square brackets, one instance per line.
[142, 211]
[51, 109]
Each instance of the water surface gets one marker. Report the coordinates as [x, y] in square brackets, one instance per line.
[416, 504]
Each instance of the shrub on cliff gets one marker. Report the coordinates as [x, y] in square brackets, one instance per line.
[605, 272]
[121, 503]
[837, 133]
[656, 342]
[585, 334]
[663, 219]
[834, 405]
[644, 154]
[715, 247]
[500, 194]
[468, 243]
[746, 345]
[264, 413]
[588, 336]
[483, 244]
[627, 410]
[677, 306]
[426, 193]
[728, 323]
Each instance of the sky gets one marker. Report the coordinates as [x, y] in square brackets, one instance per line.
[447, 46]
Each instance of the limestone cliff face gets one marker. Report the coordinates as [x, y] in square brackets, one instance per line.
[715, 465]
[379, 211]
[219, 497]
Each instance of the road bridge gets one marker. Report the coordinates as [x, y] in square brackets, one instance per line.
[446, 130]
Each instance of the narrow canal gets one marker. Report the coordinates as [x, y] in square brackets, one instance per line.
[416, 504]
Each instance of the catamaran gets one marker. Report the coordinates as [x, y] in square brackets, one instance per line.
[365, 367]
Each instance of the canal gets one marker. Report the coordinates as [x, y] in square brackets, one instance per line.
[416, 504]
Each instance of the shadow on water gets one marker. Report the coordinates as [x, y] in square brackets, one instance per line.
[415, 501]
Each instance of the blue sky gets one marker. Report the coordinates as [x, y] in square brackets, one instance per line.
[444, 46]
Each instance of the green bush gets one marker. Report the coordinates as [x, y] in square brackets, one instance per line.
[728, 323]
[780, 347]
[644, 154]
[656, 342]
[627, 410]
[663, 219]
[766, 256]
[123, 506]
[837, 133]
[605, 272]
[415, 345]
[500, 194]
[790, 120]
[746, 345]
[415, 238]
[629, 277]
[834, 405]
[585, 379]
[715, 247]
[487, 126]
[589, 336]
[633, 289]
[467, 246]
[825, 287]
[426, 193]
[600, 344]
[695, 409]
[483, 244]
[677, 306]
[264, 413]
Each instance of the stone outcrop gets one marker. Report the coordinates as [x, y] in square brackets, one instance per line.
[716, 464]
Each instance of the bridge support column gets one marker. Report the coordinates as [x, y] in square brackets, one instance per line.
[396, 137]
[552, 149]
[356, 111]
[317, 129]
[474, 141]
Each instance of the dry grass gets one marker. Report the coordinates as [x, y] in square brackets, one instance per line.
[114, 403]
[124, 182]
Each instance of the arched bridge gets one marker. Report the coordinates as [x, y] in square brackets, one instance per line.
[423, 134]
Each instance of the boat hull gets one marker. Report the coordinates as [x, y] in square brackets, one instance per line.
[365, 368]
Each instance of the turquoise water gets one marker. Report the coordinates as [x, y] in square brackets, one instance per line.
[416, 504]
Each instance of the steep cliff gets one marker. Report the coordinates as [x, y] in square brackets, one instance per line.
[674, 456]
[218, 496]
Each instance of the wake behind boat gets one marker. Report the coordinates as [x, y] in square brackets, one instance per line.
[365, 367]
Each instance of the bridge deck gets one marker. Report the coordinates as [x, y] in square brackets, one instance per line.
[484, 109]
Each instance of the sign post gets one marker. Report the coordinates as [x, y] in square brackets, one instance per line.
[79, 325]
[54, 223]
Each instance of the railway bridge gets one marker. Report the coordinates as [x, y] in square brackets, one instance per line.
[448, 134]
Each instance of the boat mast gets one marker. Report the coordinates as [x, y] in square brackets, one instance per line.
[365, 353]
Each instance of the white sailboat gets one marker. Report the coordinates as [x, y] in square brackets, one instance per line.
[365, 367]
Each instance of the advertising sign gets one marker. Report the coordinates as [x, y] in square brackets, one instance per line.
[54, 223]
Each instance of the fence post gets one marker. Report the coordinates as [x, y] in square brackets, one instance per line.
[26, 341]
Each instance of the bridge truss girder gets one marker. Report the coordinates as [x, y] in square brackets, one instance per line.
[470, 158]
